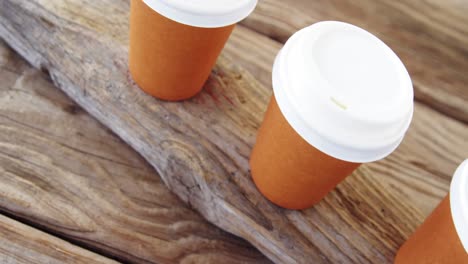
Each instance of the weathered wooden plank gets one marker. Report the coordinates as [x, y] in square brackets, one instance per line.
[201, 146]
[22, 244]
[63, 171]
[431, 37]
[423, 165]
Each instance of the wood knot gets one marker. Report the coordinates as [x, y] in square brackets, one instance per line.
[72, 109]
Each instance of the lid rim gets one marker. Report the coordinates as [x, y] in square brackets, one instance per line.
[459, 202]
[200, 19]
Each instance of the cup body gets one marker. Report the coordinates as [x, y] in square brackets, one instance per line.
[435, 241]
[170, 60]
[289, 171]
[443, 237]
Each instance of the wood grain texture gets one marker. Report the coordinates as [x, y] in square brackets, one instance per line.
[21, 244]
[422, 167]
[430, 36]
[62, 171]
[201, 147]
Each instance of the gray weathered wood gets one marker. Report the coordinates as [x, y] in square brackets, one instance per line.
[21, 244]
[62, 171]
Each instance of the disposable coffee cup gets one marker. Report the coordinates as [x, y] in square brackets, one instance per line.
[175, 43]
[443, 237]
[341, 98]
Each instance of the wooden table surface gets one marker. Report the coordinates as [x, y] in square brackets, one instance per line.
[72, 191]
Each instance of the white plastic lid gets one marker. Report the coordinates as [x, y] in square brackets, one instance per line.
[204, 13]
[344, 91]
[459, 202]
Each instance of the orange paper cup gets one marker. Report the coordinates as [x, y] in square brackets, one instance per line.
[341, 98]
[289, 171]
[443, 237]
[175, 43]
